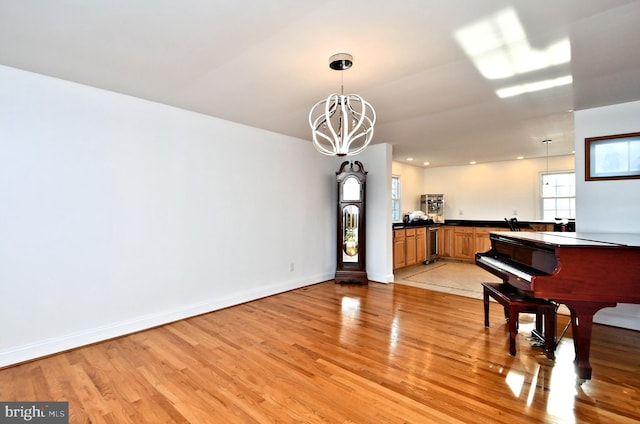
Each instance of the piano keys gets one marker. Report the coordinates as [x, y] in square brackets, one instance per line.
[584, 271]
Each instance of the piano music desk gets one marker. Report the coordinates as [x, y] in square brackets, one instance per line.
[515, 302]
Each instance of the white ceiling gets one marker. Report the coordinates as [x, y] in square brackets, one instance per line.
[265, 63]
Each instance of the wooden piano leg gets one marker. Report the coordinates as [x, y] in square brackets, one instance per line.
[513, 330]
[486, 306]
[582, 324]
[550, 332]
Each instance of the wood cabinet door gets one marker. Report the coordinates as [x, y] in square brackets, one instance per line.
[482, 240]
[463, 243]
[399, 254]
[445, 241]
[541, 227]
[421, 245]
[410, 249]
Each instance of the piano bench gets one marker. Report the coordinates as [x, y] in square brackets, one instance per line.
[515, 302]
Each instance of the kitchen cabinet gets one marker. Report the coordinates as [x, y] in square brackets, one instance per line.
[463, 243]
[459, 242]
[541, 227]
[409, 246]
[445, 242]
[421, 244]
[481, 238]
[399, 254]
[410, 249]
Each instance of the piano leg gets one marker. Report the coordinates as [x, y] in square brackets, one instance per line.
[545, 331]
[581, 324]
[486, 307]
[513, 330]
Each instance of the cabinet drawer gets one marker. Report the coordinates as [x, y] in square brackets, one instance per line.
[410, 232]
[399, 234]
[541, 227]
[484, 231]
[463, 230]
[421, 232]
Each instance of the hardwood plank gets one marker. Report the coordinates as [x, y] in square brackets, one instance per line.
[337, 353]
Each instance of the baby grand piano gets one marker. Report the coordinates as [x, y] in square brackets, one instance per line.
[584, 271]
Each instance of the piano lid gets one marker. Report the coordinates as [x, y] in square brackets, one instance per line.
[578, 239]
[631, 240]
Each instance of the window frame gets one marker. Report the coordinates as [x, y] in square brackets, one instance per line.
[396, 200]
[619, 146]
[571, 197]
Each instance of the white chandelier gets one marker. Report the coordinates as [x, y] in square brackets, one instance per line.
[342, 125]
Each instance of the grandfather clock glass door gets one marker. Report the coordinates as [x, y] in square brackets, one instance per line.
[351, 224]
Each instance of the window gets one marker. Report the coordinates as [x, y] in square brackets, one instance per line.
[395, 198]
[558, 195]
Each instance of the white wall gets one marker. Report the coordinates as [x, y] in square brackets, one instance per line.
[493, 191]
[118, 214]
[608, 206]
[379, 251]
[411, 186]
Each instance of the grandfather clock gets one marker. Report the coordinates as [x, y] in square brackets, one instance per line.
[351, 223]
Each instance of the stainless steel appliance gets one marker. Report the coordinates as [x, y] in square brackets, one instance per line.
[433, 206]
[432, 244]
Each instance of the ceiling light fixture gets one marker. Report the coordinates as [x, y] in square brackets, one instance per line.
[547, 142]
[342, 125]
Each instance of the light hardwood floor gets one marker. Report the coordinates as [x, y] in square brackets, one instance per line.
[332, 353]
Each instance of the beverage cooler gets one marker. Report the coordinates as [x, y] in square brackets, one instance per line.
[433, 206]
[432, 244]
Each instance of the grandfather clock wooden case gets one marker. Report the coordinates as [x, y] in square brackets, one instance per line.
[351, 262]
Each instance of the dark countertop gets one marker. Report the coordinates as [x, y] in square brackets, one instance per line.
[489, 223]
[469, 223]
[423, 223]
[483, 223]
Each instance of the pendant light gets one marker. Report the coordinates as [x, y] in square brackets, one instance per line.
[342, 125]
[547, 142]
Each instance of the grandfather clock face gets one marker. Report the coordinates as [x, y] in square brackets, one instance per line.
[351, 189]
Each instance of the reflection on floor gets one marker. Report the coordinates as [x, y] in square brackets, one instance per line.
[452, 277]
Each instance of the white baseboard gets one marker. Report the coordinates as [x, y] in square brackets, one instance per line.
[41, 348]
[381, 278]
[624, 315]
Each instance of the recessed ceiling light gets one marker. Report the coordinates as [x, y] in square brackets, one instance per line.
[427, 163]
[409, 159]
[520, 157]
[473, 162]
